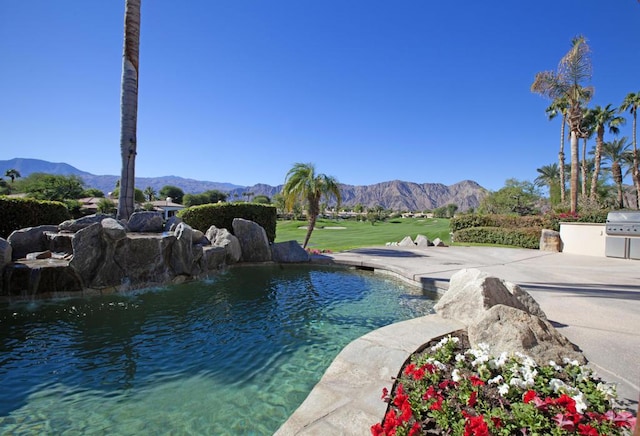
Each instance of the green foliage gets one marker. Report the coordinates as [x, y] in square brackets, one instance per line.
[447, 211]
[524, 237]
[517, 197]
[107, 206]
[261, 199]
[509, 221]
[92, 192]
[174, 192]
[138, 195]
[207, 197]
[51, 187]
[221, 215]
[19, 213]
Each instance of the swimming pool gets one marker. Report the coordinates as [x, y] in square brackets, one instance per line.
[235, 354]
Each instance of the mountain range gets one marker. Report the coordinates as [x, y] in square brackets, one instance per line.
[395, 195]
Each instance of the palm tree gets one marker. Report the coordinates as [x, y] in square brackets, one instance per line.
[549, 177]
[632, 102]
[574, 69]
[560, 106]
[13, 174]
[587, 126]
[614, 152]
[149, 193]
[602, 118]
[129, 108]
[303, 183]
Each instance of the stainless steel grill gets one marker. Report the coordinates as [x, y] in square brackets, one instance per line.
[623, 234]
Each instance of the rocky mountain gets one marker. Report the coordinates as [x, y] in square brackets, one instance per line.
[396, 195]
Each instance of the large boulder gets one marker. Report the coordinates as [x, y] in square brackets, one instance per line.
[507, 329]
[37, 277]
[550, 241]
[88, 252]
[145, 222]
[423, 241]
[472, 292]
[5, 257]
[289, 252]
[59, 242]
[29, 240]
[81, 223]
[253, 240]
[113, 229]
[144, 259]
[182, 253]
[407, 242]
[224, 238]
[212, 258]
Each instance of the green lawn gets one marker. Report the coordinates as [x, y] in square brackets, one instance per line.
[356, 234]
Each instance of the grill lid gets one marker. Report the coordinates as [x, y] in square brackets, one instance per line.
[623, 216]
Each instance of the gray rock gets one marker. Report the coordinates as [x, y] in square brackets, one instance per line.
[36, 277]
[113, 229]
[144, 259]
[59, 242]
[289, 252]
[88, 252]
[197, 236]
[510, 330]
[5, 258]
[439, 243]
[29, 240]
[39, 255]
[212, 258]
[407, 242]
[472, 292]
[253, 240]
[182, 253]
[171, 223]
[550, 241]
[145, 222]
[224, 238]
[423, 241]
[81, 223]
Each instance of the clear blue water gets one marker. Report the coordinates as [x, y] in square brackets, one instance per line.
[235, 354]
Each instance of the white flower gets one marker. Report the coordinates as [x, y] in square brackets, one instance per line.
[568, 361]
[460, 358]
[581, 402]
[455, 375]
[518, 382]
[554, 365]
[499, 362]
[503, 389]
[494, 381]
[556, 384]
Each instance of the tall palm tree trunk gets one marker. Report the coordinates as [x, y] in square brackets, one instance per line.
[561, 160]
[634, 171]
[617, 177]
[583, 190]
[312, 224]
[574, 171]
[597, 158]
[129, 107]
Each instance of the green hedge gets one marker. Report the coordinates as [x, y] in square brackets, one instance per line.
[19, 213]
[525, 238]
[221, 215]
[548, 221]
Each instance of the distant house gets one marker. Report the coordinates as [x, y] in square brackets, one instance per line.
[167, 207]
[90, 204]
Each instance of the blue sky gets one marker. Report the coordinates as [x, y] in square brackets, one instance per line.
[367, 90]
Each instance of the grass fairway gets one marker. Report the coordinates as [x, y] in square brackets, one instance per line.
[340, 235]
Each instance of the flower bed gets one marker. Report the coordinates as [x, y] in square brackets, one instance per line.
[450, 388]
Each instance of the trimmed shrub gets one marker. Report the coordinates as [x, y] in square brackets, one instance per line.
[221, 215]
[525, 237]
[19, 213]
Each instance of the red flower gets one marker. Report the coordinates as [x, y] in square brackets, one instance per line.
[476, 426]
[587, 430]
[431, 392]
[473, 399]
[385, 393]
[497, 423]
[401, 397]
[406, 412]
[446, 384]
[475, 381]
[409, 369]
[415, 429]
[529, 396]
[566, 402]
[437, 405]
[376, 430]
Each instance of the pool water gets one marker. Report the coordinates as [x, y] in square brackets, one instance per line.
[235, 354]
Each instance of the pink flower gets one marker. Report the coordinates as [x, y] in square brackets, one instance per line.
[564, 422]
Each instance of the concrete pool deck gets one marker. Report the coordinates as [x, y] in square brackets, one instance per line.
[593, 301]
